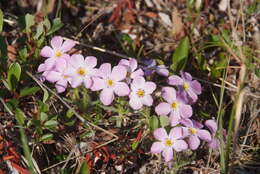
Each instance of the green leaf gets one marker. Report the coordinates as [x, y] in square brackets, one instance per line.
[46, 137]
[28, 91]
[50, 124]
[164, 120]
[153, 122]
[84, 169]
[43, 116]
[180, 55]
[45, 95]
[1, 20]
[47, 24]
[56, 25]
[69, 113]
[13, 76]
[26, 22]
[135, 145]
[19, 115]
[23, 53]
[39, 31]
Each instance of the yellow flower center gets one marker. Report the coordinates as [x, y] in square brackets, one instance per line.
[65, 77]
[192, 130]
[175, 105]
[110, 82]
[58, 54]
[186, 86]
[168, 142]
[140, 93]
[82, 71]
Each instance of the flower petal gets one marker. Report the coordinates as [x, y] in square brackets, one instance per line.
[185, 111]
[186, 76]
[53, 76]
[167, 154]
[137, 83]
[107, 96]
[194, 142]
[212, 125]
[105, 70]
[98, 84]
[61, 85]
[76, 81]
[180, 145]
[149, 87]
[204, 135]
[137, 73]
[176, 133]
[56, 42]
[46, 51]
[163, 109]
[175, 117]
[214, 144]
[67, 45]
[133, 64]
[160, 134]
[41, 68]
[169, 94]
[157, 147]
[118, 73]
[49, 64]
[187, 122]
[76, 60]
[162, 70]
[147, 100]
[196, 87]
[135, 103]
[87, 82]
[61, 65]
[192, 95]
[91, 61]
[175, 80]
[121, 89]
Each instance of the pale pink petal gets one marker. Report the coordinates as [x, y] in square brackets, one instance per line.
[137, 83]
[107, 96]
[194, 142]
[157, 147]
[124, 62]
[176, 133]
[135, 103]
[187, 122]
[175, 118]
[64, 56]
[56, 42]
[76, 81]
[105, 70]
[214, 143]
[118, 73]
[61, 65]
[133, 64]
[175, 80]
[197, 124]
[53, 76]
[192, 95]
[147, 100]
[91, 61]
[186, 76]
[180, 145]
[212, 125]
[185, 111]
[87, 82]
[160, 134]
[167, 154]
[137, 73]
[46, 52]
[163, 109]
[49, 64]
[76, 60]
[196, 87]
[204, 135]
[70, 71]
[162, 70]
[41, 67]
[61, 85]
[67, 45]
[149, 87]
[98, 84]
[121, 89]
[169, 94]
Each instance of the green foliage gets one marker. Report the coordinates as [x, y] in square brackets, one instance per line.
[28, 91]
[84, 169]
[180, 55]
[56, 25]
[153, 122]
[20, 116]
[1, 20]
[13, 77]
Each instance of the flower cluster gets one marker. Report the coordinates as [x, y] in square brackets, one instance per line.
[128, 79]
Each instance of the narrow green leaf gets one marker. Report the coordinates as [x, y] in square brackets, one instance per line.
[43, 116]
[56, 25]
[39, 31]
[28, 91]
[1, 20]
[84, 169]
[47, 24]
[13, 76]
[135, 145]
[46, 137]
[19, 115]
[153, 122]
[50, 124]
[180, 55]
[45, 95]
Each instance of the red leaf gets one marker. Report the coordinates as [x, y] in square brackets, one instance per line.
[19, 168]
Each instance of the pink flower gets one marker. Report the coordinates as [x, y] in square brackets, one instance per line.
[57, 76]
[174, 106]
[195, 133]
[141, 93]
[110, 82]
[132, 71]
[189, 88]
[151, 67]
[167, 143]
[56, 51]
[213, 127]
[81, 70]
